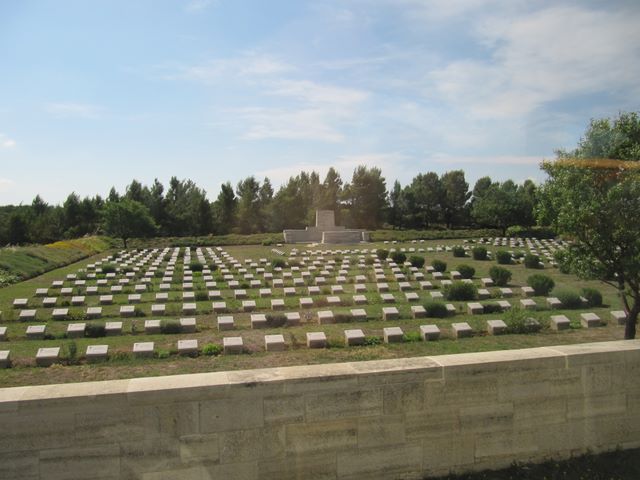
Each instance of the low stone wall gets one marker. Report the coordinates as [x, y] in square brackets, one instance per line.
[387, 419]
[345, 236]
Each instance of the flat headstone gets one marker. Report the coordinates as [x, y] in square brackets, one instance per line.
[506, 292]
[316, 340]
[225, 322]
[436, 295]
[66, 291]
[214, 294]
[293, 318]
[232, 345]
[461, 329]
[354, 337]
[158, 309]
[3, 334]
[418, 311]
[619, 316]
[325, 317]
[359, 299]
[306, 302]
[134, 298]
[219, 307]
[387, 298]
[189, 308]
[393, 334]
[113, 328]
[334, 301]
[106, 299]
[152, 327]
[382, 287]
[277, 304]
[76, 330]
[5, 359]
[528, 291]
[97, 353]
[248, 305]
[358, 314]
[559, 322]
[590, 320]
[47, 356]
[390, 313]
[27, 315]
[258, 320]
[475, 308]
[187, 296]
[143, 349]
[94, 312]
[496, 327]
[483, 294]
[313, 290]
[411, 297]
[20, 303]
[60, 313]
[127, 311]
[42, 292]
[429, 332]
[49, 302]
[486, 282]
[554, 302]
[188, 347]
[528, 304]
[274, 343]
[426, 285]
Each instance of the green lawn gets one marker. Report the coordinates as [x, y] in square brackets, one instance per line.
[123, 365]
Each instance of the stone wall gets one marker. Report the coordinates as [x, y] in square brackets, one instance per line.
[376, 420]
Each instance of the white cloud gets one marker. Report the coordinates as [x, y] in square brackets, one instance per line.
[194, 6]
[245, 66]
[316, 93]
[74, 110]
[541, 57]
[454, 160]
[5, 184]
[6, 142]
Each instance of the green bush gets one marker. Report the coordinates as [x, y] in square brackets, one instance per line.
[541, 284]
[492, 308]
[466, 271]
[382, 254]
[537, 232]
[163, 353]
[398, 257]
[369, 261]
[518, 321]
[570, 300]
[170, 326]
[479, 253]
[439, 265]
[412, 337]
[459, 252]
[278, 263]
[267, 243]
[211, 349]
[532, 261]
[95, 330]
[108, 268]
[593, 296]
[275, 320]
[503, 257]
[416, 261]
[196, 266]
[460, 291]
[435, 309]
[373, 340]
[500, 276]
[70, 351]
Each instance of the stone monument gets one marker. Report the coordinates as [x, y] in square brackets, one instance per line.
[326, 231]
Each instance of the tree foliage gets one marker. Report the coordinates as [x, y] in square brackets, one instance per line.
[127, 219]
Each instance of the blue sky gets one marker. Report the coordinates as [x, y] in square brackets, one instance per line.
[96, 93]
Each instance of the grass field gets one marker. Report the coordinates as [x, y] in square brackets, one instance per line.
[123, 365]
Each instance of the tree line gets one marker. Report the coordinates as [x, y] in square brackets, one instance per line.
[253, 206]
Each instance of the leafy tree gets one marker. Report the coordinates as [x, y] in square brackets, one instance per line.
[454, 198]
[394, 212]
[248, 205]
[127, 219]
[591, 195]
[367, 197]
[428, 195]
[331, 193]
[225, 208]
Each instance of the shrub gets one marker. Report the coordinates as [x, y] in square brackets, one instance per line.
[373, 340]
[503, 257]
[459, 252]
[518, 321]
[71, 351]
[369, 261]
[466, 271]
[108, 268]
[436, 309]
[479, 253]
[163, 353]
[266, 243]
[170, 326]
[275, 320]
[593, 296]
[213, 267]
[398, 257]
[412, 337]
[382, 254]
[201, 296]
[95, 330]
[569, 299]
[541, 284]
[342, 317]
[460, 291]
[492, 308]
[531, 261]
[196, 266]
[500, 276]
[537, 232]
[211, 349]
[439, 265]
[416, 261]
[278, 263]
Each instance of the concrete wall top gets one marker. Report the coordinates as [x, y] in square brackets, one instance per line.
[436, 367]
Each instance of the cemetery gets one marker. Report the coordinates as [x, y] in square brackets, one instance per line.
[221, 308]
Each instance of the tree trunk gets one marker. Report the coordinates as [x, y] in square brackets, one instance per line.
[630, 324]
[124, 240]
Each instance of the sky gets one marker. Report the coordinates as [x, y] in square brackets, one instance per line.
[96, 93]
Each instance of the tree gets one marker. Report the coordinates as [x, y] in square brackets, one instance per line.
[428, 192]
[394, 214]
[127, 219]
[225, 208]
[248, 205]
[331, 192]
[367, 197]
[592, 195]
[454, 199]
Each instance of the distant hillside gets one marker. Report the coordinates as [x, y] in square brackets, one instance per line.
[20, 263]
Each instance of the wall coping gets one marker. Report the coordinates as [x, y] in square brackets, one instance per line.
[563, 353]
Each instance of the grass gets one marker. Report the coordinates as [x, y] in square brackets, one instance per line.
[20, 263]
[122, 365]
[616, 465]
